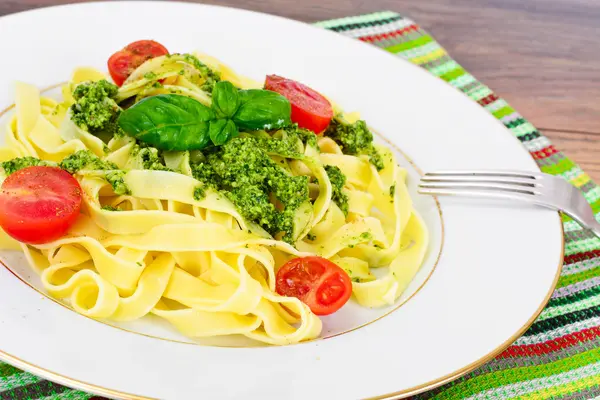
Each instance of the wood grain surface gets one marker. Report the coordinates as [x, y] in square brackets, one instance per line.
[542, 56]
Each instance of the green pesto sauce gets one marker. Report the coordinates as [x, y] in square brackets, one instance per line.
[82, 159]
[115, 178]
[95, 110]
[111, 208]
[392, 190]
[309, 138]
[118, 133]
[289, 145]
[365, 236]
[285, 148]
[338, 180]
[312, 237]
[16, 164]
[150, 156]
[85, 159]
[248, 177]
[199, 193]
[355, 139]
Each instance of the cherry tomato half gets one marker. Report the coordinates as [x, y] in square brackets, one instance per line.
[317, 282]
[310, 110]
[125, 61]
[39, 204]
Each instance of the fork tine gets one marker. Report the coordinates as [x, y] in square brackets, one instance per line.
[494, 187]
[527, 182]
[514, 174]
[482, 193]
[485, 184]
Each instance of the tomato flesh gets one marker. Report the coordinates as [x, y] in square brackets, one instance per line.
[146, 49]
[122, 63]
[317, 282]
[310, 110]
[39, 204]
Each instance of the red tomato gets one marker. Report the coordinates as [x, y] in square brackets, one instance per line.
[125, 61]
[310, 110]
[317, 282]
[39, 204]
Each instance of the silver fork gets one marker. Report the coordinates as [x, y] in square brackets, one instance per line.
[532, 187]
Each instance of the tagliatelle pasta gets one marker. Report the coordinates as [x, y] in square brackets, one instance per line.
[158, 248]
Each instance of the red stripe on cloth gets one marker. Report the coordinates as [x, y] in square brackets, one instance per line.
[573, 258]
[488, 99]
[553, 345]
[388, 35]
[547, 152]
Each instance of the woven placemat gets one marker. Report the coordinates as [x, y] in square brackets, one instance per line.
[559, 356]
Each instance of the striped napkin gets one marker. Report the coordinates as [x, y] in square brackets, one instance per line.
[559, 356]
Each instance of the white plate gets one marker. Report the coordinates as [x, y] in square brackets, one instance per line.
[497, 268]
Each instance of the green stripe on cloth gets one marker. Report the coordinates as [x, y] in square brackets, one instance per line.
[7, 370]
[10, 382]
[559, 168]
[455, 73]
[575, 386]
[563, 362]
[544, 384]
[43, 389]
[579, 305]
[595, 204]
[444, 68]
[580, 277]
[503, 112]
[423, 40]
[498, 379]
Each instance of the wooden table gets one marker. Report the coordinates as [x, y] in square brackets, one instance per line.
[542, 56]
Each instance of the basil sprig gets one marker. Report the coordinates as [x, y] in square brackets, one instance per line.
[175, 122]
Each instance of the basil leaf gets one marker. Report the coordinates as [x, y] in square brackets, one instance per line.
[215, 128]
[262, 109]
[168, 122]
[225, 99]
[221, 131]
